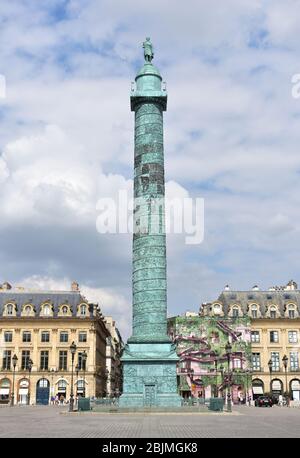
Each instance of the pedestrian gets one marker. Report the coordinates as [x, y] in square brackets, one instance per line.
[280, 400]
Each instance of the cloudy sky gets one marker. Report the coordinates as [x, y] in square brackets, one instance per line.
[232, 136]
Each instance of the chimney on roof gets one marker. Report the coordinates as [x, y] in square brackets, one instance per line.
[74, 286]
[6, 286]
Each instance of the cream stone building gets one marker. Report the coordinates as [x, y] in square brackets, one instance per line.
[38, 328]
[275, 334]
[114, 348]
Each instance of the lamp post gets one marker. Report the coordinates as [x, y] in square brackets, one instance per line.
[73, 349]
[216, 371]
[270, 364]
[228, 349]
[84, 358]
[52, 372]
[14, 361]
[247, 371]
[285, 363]
[107, 380]
[222, 376]
[29, 367]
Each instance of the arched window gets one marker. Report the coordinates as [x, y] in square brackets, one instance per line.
[43, 383]
[254, 313]
[27, 310]
[65, 310]
[46, 309]
[83, 310]
[217, 309]
[9, 309]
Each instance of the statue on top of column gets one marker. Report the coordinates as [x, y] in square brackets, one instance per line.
[148, 50]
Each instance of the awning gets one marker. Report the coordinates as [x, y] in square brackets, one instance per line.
[23, 391]
[295, 385]
[257, 390]
[4, 391]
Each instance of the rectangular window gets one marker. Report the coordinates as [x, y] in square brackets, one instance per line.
[63, 360]
[255, 338]
[44, 360]
[274, 336]
[235, 313]
[64, 337]
[82, 337]
[81, 364]
[275, 361]
[273, 314]
[254, 313]
[45, 337]
[256, 361]
[25, 359]
[291, 313]
[6, 363]
[237, 364]
[26, 336]
[293, 336]
[8, 336]
[294, 361]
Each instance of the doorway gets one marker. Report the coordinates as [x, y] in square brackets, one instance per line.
[150, 396]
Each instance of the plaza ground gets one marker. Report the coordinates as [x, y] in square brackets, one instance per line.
[55, 422]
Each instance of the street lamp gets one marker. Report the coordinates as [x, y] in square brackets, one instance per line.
[247, 372]
[222, 376]
[228, 349]
[216, 371]
[29, 367]
[285, 363]
[52, 385]
[73, 349]
[107, 380]
[14, 361]
[270, 364]
[84, 358]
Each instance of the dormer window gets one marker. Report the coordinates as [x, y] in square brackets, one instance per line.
[217, 310]
[83, 310]
[9, 310]
[254, 311]
[235, 312]
[65, 310]
[46, 310]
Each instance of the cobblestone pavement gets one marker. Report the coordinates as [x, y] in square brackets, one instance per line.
[56, 422]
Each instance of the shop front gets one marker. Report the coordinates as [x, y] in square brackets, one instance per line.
[5, 391]
[23, 392]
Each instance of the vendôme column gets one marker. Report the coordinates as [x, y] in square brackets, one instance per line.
[149, 359]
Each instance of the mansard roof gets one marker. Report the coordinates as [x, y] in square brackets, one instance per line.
[37, 298]
[279, 298]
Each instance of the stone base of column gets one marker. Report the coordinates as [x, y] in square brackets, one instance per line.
[150, 379]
